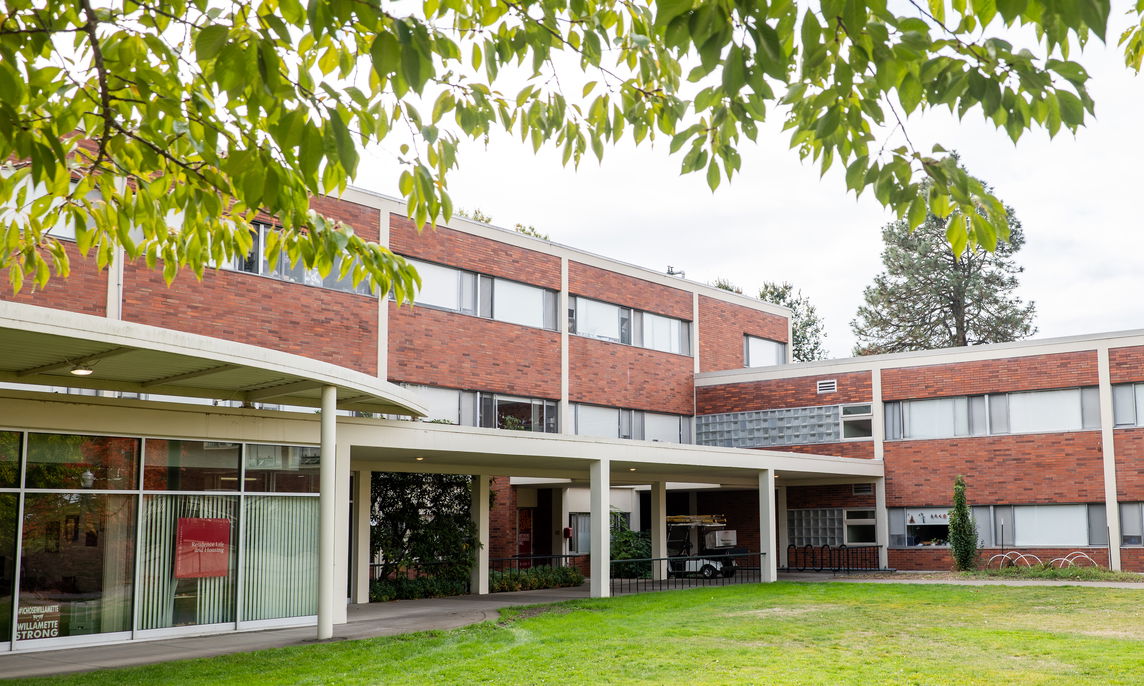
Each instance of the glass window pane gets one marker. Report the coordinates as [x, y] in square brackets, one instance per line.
[280, 557]
[190, 466]
[188, 558]
[550, 299]
[581, 533]
[439, 285]
[961, 416]
[984, 528]
[486, 290]
[998, 413]
[893, 421]
[517, 303]
[661, 427]
[685, 338]
[1124, 405]
[597, 319]
[762, 352]
[597, 421]
[857, 428]
[1050, 525]
[82, 462]
[661, 333]
[1090, 407]
[8, 514]
[1139, 392]
[468, 303]
[77, 565]
[978, 426]
[929, 418]
[10, 460]
[468, 408]
[1097, 524]
[514, 414]
[441, 403]
[1045, 411]
[282, 469]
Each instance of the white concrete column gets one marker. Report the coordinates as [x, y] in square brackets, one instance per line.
[658, 526]
[600, 478]
[881, 523]
[327, 526]
[563, 301]
[363, 502]
[877, 413]
[479, 581]
[1108, 451]
[781, 521]
[768, 542]
[342, 515]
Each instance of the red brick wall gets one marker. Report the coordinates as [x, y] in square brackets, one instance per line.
[502, 519]
[1129, 447]
[741, 509]
[318, 323]
[722, 326]
[853, 387]
[817, 497]
[1026, 469]
[859, 449]
[83, 291]
[366, 221]
[618, 375]
[991, 376]
[465, 251]
[1132, 559]
[939, 559]
[436, 348]
[1126, 365]
[600, 284]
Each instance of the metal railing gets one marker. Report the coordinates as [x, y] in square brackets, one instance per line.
[670, 573]
[828, 558]
[533, 572]
[519, 562]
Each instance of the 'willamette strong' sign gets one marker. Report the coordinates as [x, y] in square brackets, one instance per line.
[202, 548]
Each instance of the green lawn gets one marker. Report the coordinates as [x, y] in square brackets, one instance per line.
[753, 634]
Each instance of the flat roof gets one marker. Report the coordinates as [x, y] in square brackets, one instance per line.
[42, 346]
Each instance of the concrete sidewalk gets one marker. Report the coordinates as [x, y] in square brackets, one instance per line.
[365, 621]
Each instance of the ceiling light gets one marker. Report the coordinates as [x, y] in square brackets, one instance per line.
[82, 370]
[631, 469]
[419, 458]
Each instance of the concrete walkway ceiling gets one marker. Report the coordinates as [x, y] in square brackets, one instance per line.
[56, 348]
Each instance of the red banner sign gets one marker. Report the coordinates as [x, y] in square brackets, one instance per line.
[202, 548]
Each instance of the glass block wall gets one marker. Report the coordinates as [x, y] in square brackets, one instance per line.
[815, 527]
[766, 428]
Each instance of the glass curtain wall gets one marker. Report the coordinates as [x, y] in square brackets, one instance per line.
[105, 535]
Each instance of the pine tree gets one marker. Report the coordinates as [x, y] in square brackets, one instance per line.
[928, 298]
[962, 530]
[808, 333]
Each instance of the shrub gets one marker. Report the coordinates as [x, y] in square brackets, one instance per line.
[962, 530]
[382, 590]
[534, 578]
[629, 545]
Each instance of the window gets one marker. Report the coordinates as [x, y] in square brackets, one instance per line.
[1005, 525]
[581, 542]
[763, 352]
[1072, 409]
[610, 422]
[860, 528]
[815, 527]
[1128, 404]
[466, 292]
[857, 422]
[516, 414]
[1131, 524]
[618, 324]
[258, 262]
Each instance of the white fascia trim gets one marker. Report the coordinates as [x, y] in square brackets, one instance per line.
[446, 438]
[924, 358]
[35, 319]
[520, 240]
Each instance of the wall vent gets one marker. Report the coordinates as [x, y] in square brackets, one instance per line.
[863, 489]
[828, 386]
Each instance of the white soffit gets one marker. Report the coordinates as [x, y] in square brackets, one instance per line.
[41, 346]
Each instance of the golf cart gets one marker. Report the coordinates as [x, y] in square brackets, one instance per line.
[714, 539]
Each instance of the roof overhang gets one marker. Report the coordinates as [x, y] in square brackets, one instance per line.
[41, 346]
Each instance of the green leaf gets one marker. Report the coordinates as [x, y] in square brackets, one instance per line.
[210, 41]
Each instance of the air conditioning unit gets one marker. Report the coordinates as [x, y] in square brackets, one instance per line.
[724, 538]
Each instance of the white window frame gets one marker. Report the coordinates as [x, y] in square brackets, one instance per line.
[993, 402]
[844, 418]
[784, 350]
[848, 521]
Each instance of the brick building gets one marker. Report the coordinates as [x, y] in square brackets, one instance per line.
[162, 469]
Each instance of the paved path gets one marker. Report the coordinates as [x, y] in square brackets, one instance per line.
[388, 619]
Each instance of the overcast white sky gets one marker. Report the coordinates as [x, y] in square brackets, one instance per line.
[1076, 197]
